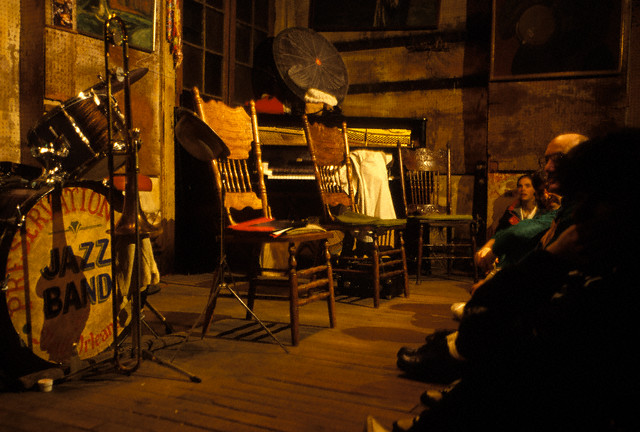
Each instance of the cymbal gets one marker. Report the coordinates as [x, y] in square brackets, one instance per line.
[117, 81]
[197, 138]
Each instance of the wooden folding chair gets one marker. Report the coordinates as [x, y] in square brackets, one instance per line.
[421, 171]
[382, 259]
[242, 192]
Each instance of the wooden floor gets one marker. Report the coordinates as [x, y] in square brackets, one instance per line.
[330, 382]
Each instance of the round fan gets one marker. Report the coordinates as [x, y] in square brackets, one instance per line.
[308, 63]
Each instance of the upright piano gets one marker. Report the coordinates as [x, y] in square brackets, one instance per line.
[287, 164]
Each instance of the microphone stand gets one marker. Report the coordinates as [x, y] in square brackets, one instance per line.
[129, 225]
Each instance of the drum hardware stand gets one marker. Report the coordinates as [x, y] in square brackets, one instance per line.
[168, 328]
[204, 144]
[132, 221]
[50, 156]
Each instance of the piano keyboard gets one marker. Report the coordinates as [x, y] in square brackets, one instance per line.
[286, 176]
[287, 164]
[358, 137]
[289, 173]
[284, 147]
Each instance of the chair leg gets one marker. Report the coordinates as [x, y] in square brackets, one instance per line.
[450, 250]
[294, 315]
[253, 274]
[420, 246]
[376, 272]
[405, 271]
[331, 298]
[251, 296]
[473, 228]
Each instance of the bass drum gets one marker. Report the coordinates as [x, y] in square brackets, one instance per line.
[55, 259]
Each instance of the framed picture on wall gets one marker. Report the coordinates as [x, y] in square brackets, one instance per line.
[534, 39]
[362, 15]
[62, 13]
[138, 16]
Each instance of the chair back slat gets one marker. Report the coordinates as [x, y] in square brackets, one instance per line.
[239, 176]
[329, 149]
[371, 250]
[421, 171]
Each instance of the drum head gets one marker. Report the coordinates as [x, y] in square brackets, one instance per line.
[58, 270]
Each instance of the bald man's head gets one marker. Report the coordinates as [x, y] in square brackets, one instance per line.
[558, 147]
[563, 143]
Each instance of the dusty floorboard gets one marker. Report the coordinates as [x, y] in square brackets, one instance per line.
[330, 382]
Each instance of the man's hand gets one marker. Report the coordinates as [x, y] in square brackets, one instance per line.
[485, 259]
[568, 246]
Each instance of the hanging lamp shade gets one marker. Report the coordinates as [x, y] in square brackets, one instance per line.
[309, 64]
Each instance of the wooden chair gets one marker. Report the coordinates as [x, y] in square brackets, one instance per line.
[379, 261]
[241, 188]
[421, 171]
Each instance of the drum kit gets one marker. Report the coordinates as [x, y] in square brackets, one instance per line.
[59, 297]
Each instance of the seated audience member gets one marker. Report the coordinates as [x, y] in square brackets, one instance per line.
[527, 203]
[523, 237]
[513, 243]
[531, 206]
[548, 343]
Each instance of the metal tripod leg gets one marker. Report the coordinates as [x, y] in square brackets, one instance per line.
[207, 312]
[147, 354]
[218, 284]
[168, 329]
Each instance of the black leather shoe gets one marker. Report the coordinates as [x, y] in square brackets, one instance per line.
[431, 362]
[405, 425]
[430, 398]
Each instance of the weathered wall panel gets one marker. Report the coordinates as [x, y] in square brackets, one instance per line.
[401, 64]
[525, 116]
[31, 70]
[9, 81]
[456, 117]
[74, 63]
[70, 63]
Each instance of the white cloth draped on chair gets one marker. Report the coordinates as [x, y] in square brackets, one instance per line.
[373, 193]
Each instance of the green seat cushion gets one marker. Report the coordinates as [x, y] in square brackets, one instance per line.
[390, 222]
[355, 219]
[443, 217]
[352, 218]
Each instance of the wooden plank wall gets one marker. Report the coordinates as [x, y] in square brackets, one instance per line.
[9, 80]
[525, 116]
[57, 64]
[426, 74]
[443, 75]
